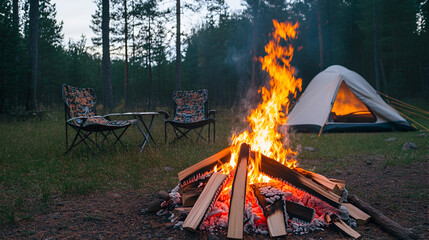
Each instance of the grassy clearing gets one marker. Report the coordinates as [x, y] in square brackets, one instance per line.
[34, 172]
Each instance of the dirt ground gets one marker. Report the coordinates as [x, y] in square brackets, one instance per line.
[401, 193]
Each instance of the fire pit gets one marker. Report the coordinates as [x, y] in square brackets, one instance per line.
[283, 201]
[255, 184]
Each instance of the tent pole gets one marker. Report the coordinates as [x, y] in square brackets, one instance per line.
[321, 129]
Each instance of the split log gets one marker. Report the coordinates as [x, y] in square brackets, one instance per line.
[205, 202]
[273, 210]
[275, 169]
[190, 192]
[360, 216]
[341, 226]
[338, 190]
[330, 184]
[299, 211]
[238, 195]
[181, 213]
[342, 183]
[386, 223]
[205, 165]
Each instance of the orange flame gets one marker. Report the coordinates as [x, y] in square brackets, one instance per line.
[264, 121]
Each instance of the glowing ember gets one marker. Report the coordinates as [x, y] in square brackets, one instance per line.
[264, 121]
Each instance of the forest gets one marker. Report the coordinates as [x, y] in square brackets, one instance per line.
[141, 55]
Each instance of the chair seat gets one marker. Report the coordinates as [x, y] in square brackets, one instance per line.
[191, 125]
[101, 124]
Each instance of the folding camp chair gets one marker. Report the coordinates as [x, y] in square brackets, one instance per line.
[80, 115]
[190, 113]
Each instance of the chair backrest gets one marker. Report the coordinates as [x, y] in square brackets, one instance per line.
[190, 105]
[79, 101]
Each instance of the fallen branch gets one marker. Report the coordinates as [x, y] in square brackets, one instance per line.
[386, 223]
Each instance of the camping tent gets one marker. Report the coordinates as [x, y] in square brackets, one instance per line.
[339, 100]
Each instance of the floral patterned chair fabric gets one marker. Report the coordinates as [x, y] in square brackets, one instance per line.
[190, 114]
[81, 103]
[190, 105]
[81, 115]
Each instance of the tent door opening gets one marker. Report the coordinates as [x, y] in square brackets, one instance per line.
[348, 108]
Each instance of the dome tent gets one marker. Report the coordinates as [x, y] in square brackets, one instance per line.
[340, 100]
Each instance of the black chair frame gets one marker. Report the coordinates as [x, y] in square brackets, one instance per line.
[84, 133]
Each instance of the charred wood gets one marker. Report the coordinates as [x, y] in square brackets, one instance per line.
[275, 169]
[272, 204]
[299, 211]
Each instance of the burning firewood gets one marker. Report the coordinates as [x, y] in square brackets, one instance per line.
[205, 201]
[236, 210]
[204, 166]
[275, 169]
[334, 186]
[271, 201]
[299, 211]
[322, 180]
[191, 191]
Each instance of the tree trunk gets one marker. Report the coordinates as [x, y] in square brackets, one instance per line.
[383, 76]
[15, 19]
[108, 95]
[33, 50]
[178, 52]
[255, 44]
[126, 56]
[375, 44]
[319, 28]
[150, 64]
[15, 16]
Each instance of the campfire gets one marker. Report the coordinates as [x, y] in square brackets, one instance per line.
[255, 185]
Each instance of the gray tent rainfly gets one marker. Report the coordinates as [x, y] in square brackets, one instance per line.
[340, 100]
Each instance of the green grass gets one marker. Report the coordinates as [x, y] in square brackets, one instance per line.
[34, 172]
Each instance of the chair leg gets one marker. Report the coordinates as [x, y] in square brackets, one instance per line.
[181, 135]
[214, 132]
[104, 136]
[67, 138]
[199, 134]
[208, 138]
[74, 140]
[118, 139]
[165, 132]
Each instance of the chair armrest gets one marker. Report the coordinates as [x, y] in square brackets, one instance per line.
[82, 118]
[113, 114]
[212, 112]
[166, 115]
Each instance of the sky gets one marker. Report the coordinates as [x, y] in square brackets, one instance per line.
[76, 17]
